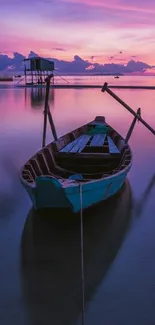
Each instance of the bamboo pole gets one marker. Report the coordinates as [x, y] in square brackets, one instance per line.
[52, 125]
[110, 92]
[132, 126]
[47, 113]
[46, 109]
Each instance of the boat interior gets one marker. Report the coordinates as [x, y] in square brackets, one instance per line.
[92, 151]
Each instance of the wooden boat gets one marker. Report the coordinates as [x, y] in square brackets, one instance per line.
[91, 163]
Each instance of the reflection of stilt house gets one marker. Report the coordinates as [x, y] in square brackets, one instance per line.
[37, 69]
[37, 96]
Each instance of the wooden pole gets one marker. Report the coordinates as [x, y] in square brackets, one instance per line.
[25, 73]
[132, 126]
[46, 110]
[32, 76]
[47, 113]
[105, 88]
[52, 125]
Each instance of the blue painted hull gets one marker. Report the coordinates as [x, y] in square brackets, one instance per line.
[50, 193]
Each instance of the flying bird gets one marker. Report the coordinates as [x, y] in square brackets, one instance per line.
[92, 57]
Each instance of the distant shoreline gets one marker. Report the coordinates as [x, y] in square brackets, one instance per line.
[13, 74]
[78, 86]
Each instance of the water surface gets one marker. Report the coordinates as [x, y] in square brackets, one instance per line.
[40, 254]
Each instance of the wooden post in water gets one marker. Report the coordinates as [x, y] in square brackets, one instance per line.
[105, 88]
[52, 125]
[132, 125]
[46, 108]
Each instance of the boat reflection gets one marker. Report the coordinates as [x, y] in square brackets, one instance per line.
[140, 204]
[51, 269]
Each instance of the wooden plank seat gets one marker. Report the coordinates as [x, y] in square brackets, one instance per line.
[112, 147]
[70, 145]
[98, 140]
[85, 141]
[77, 145]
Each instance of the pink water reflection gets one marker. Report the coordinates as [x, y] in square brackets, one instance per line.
[21, 121]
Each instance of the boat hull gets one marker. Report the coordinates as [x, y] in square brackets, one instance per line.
[49, 192]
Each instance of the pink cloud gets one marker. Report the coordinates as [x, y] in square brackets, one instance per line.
[116, 4]
[25, 44]
[88, 28]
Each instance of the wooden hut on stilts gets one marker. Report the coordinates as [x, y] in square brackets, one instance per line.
[37, 69]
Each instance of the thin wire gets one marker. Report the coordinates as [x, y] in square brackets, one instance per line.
[82, 259]
[20, 80]
[61, 77]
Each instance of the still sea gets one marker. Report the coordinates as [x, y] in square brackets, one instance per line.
[40, 279]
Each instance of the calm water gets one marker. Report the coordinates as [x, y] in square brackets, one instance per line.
[40, 254]
[90, 80]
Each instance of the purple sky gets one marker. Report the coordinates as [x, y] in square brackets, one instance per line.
[97, 30]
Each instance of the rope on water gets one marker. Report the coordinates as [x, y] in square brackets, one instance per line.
[82, 258]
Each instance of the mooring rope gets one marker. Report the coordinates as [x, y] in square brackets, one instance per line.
[82, 258]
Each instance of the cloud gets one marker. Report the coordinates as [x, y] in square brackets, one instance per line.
[112, 12]
[77, 65]
[16, 62]
[59, 49]
[66, 27]
[133, 66]
[106, 13]
[5, 61]
[121, 5]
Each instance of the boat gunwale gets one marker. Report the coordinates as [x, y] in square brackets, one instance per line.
[74, 183]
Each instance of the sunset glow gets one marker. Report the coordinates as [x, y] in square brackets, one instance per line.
[96, 30]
